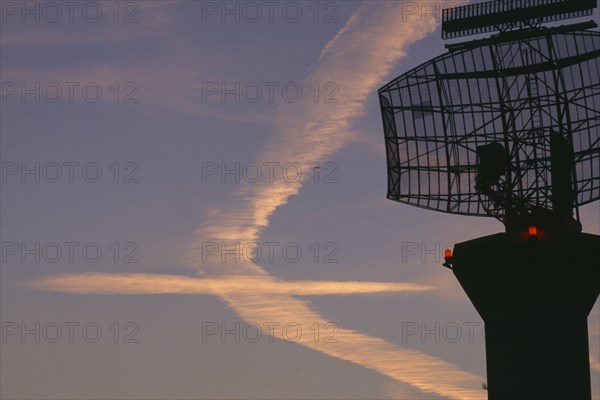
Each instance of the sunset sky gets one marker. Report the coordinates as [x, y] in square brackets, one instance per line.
[179, 177]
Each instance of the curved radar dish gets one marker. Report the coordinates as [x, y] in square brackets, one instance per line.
[507, 127]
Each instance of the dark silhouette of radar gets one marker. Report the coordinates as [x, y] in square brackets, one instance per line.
[519, 108]
[508, 126]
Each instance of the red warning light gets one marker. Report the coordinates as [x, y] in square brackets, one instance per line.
[447, 258]
[533, 231]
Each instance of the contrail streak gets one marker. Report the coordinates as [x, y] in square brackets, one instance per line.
[358, 59]
[97, 283]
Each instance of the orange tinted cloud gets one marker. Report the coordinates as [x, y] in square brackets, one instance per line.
[98, 283]
[358, 59]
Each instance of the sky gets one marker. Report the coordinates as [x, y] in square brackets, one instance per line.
[193, 206]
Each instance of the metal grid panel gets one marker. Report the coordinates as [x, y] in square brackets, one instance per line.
[517, 93]
[472, 19]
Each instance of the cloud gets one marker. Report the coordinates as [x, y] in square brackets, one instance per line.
[61, 25]
[356, 62]
[162, 86]
[98, 283]
[168, 81]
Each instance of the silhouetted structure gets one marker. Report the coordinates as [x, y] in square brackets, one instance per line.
[509, 127]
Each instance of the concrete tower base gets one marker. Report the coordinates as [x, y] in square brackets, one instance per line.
[534, 296]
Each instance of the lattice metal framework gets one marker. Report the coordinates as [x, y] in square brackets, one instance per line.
[497, 15]
[526, 92]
